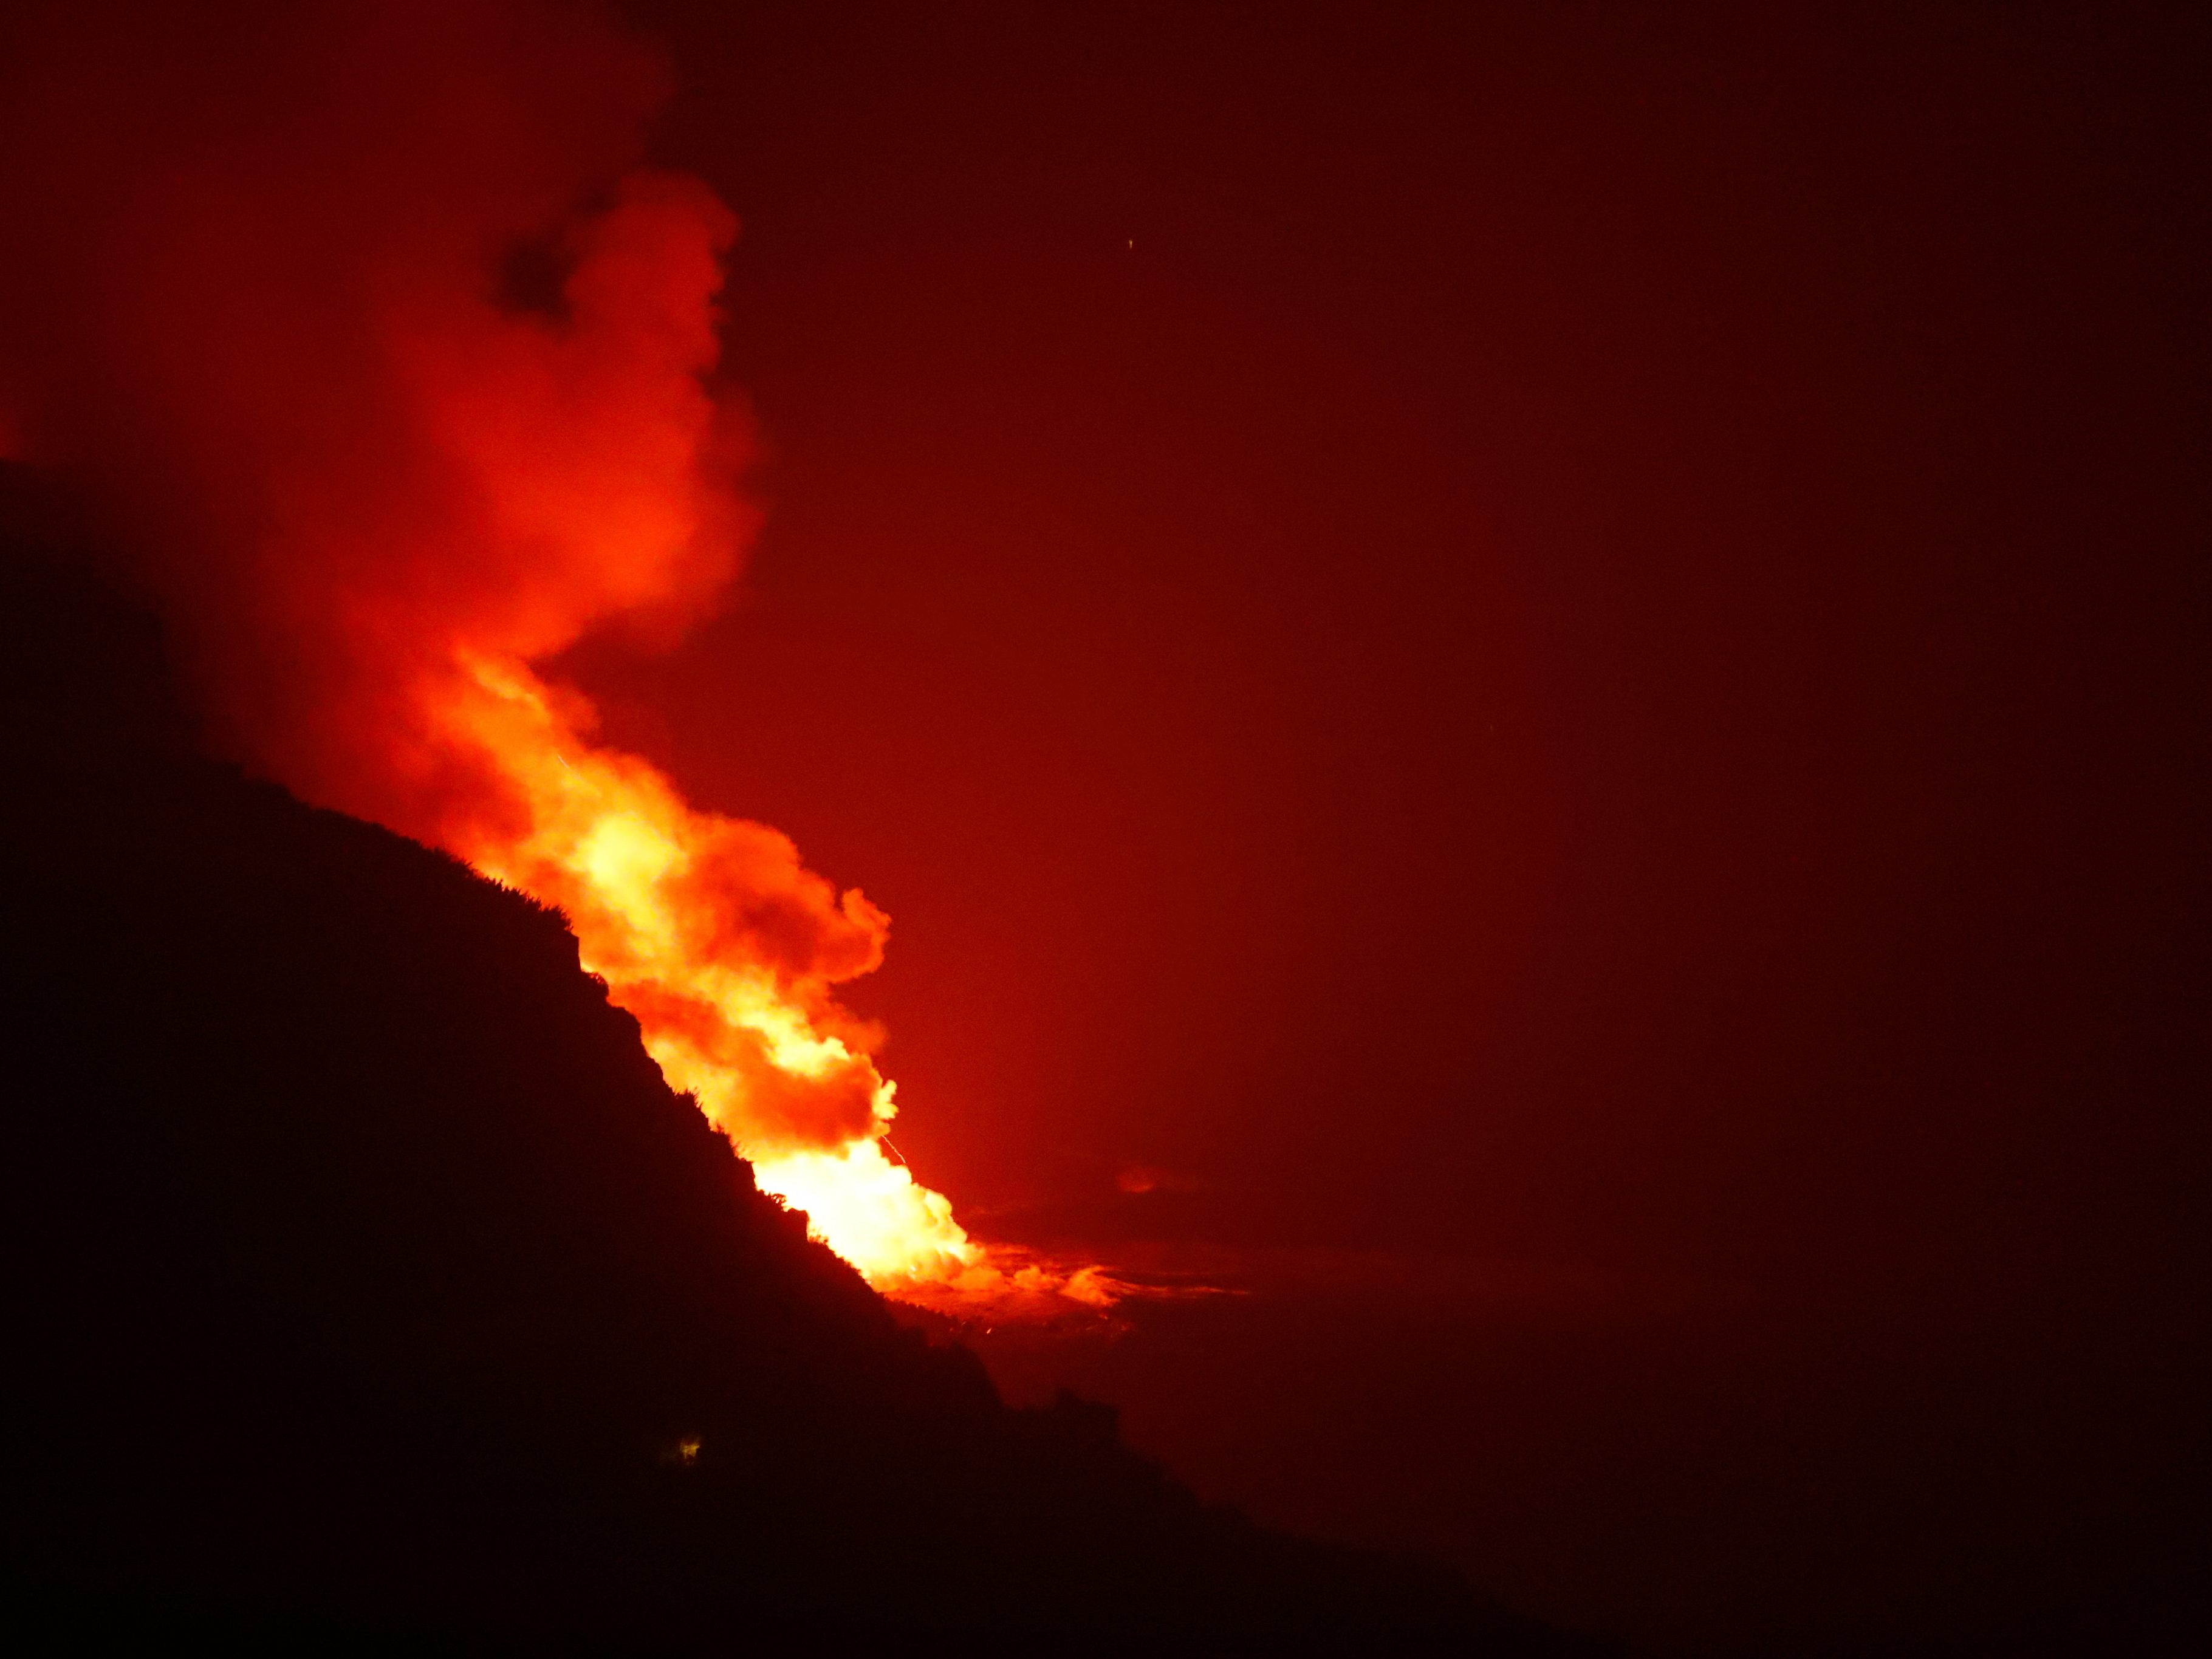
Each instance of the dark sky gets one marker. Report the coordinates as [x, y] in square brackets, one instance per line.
[1554, 660]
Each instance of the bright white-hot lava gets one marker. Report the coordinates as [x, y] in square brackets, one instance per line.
[376, 490]
[727, 950]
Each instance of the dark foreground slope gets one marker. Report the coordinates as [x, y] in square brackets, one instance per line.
[364, 1276]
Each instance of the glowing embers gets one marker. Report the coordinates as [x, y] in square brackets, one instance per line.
[683, 1454]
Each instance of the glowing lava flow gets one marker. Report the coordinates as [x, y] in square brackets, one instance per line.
[592, 451]
[591, 443]
[730, 988]
[373, 480]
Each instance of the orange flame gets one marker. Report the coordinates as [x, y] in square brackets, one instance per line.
[372, 499]
[708, 929]
[656, 893]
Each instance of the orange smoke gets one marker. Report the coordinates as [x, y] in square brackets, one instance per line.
[373, 494]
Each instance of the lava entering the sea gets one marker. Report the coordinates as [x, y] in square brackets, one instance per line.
[260, 308]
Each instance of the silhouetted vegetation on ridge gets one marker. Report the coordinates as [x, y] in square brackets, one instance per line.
[368, 1280]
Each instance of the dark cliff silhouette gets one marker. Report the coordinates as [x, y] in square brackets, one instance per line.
[365, 1281]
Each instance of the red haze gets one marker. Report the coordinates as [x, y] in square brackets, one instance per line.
[1556, 653]
[397, 370]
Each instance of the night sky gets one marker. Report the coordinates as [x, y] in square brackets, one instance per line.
[1528, 688]
[1550, 670]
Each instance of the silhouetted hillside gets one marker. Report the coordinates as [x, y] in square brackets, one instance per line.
[366, 1278]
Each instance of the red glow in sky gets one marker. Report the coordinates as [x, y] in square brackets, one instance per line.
[377, 496]
[1528, 685]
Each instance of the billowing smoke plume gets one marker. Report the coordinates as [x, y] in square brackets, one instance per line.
[253, 293]
[396, 370]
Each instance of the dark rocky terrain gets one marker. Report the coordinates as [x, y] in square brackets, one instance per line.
[365, 1279]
